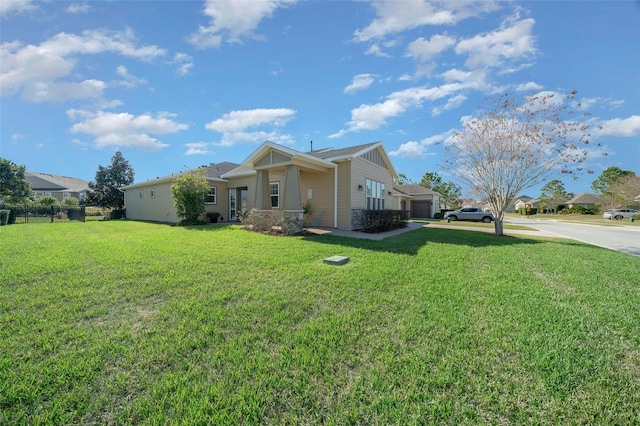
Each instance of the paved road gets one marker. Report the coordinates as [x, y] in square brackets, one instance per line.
[625, 239]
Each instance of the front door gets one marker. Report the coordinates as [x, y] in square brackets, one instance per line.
[243, 196]
[232, 204]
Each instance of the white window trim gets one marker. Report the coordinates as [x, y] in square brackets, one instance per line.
[277, 184]
[374, 195]
[215, 195]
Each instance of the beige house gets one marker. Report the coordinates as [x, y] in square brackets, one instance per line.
[59, 187]
[335, 183]
[586, 200]
[524, 201]
[420, 201]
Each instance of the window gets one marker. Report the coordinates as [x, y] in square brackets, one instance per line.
[66, 195]
[152, 192]
[211, 196]
[140, 194]
[274, 191]
[375, 195]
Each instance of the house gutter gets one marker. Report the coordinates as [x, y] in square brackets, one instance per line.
[335, 197]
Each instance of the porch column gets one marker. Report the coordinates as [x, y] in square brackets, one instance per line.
[292, 200]
[263, 197]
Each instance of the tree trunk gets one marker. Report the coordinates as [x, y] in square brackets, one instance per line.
[498, 227]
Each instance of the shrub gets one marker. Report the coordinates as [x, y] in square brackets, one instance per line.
[4, 217]
[213, 216]
[580, 210]
[70, 201]
[48, 201]
[523, 211]
[376, 221]
[117, 214]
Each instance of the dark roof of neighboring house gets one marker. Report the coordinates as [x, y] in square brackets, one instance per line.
[341, 152]
[585, 198]
[217, 170]
[49, 182]
[412, 189]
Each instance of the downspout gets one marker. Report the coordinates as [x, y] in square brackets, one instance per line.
[335, 197]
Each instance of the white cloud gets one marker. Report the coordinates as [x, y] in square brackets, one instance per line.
[394, 17]
[8, 7]
[619, 127]
[78, 8]
[129, 80]
[616, 103]
[528, 87]
[360, 82]
[375, 50]
[124, 129]
[233, 20]
[452, 103]
[198, 148]
[372, 116]
[410, 149]
[507, 44]
[16, 137]
[184, 63]
[425, 50]
[234, 125]
[415, 149]
[61, 92]
[35, 70]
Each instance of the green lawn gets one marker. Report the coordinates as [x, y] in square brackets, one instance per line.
[124, 322]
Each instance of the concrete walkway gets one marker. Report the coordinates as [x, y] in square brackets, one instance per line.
[417, 225]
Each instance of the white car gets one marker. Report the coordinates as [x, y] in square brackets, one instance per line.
[618, 214]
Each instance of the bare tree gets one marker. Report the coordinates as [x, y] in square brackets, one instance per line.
[511, 146]
[625, 190]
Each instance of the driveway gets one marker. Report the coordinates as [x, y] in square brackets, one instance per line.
[625, 239]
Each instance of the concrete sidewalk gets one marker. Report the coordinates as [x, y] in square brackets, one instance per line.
[417, 225]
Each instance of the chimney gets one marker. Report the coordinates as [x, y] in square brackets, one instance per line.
[311, 146]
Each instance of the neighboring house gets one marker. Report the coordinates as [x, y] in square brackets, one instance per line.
[524, 201]
[337, 183]
[586, 200]
[420, 201]
[59, 187]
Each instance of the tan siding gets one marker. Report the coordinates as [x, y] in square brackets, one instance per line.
[222, 200]
[345, 194]
[322, 201]
[363, 170]
[159, 208]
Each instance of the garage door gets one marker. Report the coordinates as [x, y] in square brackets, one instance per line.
[421, 209]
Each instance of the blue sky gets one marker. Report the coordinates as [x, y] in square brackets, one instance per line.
[174, 85]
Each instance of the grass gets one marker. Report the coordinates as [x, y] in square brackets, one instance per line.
[124, 322]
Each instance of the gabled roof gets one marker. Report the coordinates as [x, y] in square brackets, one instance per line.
[413, 189]
[214, 173]
[348, 152]
[335, 155]
[49, 182]
[217, 170]
[297, 157]
[585, 198]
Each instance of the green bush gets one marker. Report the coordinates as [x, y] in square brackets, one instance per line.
[4, 217]
[117, 214]
[523, 211]
[580, 210]
[376, 221]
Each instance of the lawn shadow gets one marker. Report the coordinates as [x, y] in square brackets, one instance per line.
[411, 242]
